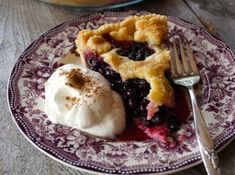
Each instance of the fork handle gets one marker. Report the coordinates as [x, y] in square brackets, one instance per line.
[209, 155]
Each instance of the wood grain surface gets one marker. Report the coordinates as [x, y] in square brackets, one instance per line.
[21, 21]
[218, 15]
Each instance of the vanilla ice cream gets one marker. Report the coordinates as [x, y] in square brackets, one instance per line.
[81, 98]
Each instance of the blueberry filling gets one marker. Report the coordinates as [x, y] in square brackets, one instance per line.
[133, 91]
[136, 51]
[173, 123]
[117, 44]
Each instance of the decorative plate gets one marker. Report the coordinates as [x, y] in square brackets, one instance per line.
[216, 95]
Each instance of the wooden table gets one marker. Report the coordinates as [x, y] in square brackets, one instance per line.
[21, 21]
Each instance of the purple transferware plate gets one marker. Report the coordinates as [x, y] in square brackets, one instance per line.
[216, 95]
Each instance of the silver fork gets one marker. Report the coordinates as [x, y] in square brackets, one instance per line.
[185, 73]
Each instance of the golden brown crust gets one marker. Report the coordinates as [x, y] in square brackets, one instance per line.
[150, 28]
[151, 69]
[99, 44]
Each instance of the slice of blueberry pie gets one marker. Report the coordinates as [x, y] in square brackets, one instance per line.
[132, 56]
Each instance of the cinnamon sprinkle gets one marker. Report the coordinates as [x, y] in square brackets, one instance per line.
[76, 79]
[71, 101]
[84, 83]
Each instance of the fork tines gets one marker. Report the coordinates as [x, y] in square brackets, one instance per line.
[186, 65]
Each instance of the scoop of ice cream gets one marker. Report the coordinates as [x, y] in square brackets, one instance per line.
[81, 98]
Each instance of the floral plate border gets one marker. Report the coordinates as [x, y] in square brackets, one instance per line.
[74, 148]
